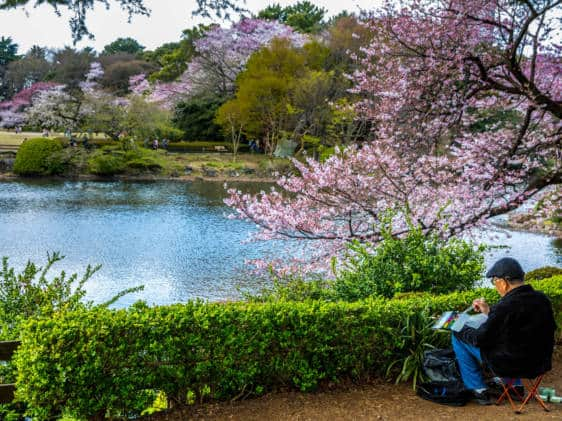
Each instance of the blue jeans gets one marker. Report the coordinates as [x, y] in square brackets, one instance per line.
[470, 365]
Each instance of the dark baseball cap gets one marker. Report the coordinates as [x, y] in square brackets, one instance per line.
[507, 268]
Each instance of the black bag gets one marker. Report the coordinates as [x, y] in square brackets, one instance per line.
[445, 393]
[445, 385]
[440, 365]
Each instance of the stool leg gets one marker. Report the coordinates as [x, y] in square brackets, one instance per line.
[533, 388]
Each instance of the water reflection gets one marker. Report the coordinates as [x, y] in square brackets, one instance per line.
[171, 237]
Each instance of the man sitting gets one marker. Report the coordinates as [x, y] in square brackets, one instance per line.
[517, 338]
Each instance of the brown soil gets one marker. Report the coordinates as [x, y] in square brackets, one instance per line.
[374, 401]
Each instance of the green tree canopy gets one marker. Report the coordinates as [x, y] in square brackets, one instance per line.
[173, 58]
[8, 53]
[123, 45]
[195, 117]
[70, 66]
[304, 16]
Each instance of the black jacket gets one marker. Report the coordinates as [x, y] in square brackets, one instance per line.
[517, 340]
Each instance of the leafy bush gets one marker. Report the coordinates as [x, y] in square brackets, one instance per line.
[35, 157]
[32, 294]
[414, 263]
[112, 362]
[542, 273]
[106, 164]
[167, 131]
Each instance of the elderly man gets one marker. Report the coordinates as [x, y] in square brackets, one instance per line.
[517, 339]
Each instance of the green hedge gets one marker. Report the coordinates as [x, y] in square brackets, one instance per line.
[542, 273]
[109, 362]
[202, 146]
[39, 157]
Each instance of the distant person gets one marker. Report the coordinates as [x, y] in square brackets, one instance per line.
[73, 141]
[165, 143]
[253, 146]
[45, 133]
[155, 144]
[85, 142]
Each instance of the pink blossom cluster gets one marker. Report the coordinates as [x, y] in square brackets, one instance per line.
[90, 83]
[11, 111]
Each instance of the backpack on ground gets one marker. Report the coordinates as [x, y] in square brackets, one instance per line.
[445, 385]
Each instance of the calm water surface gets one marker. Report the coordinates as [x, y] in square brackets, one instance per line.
[172, 237]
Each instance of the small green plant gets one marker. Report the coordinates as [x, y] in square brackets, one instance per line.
[38, 157]
[414, 337]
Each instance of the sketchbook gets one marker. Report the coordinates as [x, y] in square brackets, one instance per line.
[456, 320]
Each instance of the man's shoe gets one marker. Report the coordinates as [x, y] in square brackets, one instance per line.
[482, 398]
[496, 390]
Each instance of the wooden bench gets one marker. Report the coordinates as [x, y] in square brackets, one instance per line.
[7, 349]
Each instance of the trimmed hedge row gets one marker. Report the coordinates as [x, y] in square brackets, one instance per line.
[202, 146]
[109, 362]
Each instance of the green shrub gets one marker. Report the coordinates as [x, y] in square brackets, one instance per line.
[542, 273]
[101, 361]
[414, 263]
[167, 131]
[106, 164]
[36, 157]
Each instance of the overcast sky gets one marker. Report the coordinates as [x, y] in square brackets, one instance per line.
[41, 26]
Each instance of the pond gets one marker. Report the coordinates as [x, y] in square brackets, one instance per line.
[172, 237]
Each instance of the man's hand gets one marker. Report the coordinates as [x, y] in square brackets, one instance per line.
[480, 305]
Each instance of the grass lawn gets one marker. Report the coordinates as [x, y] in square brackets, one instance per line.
[13, 139]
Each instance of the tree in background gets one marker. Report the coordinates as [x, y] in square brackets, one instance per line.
[233, 118]
[283, 95]
[118, 69]
[432, 70]
[263, 94]
[70, 66]
[173, 58]
[8, 54]
[33, 67]
[303, 16]
[12, 112]
[58, 108]
[123, 45]
[196, 117]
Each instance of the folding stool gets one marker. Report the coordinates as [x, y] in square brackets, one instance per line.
[532, 387]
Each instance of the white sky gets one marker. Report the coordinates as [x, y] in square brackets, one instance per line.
[41, 26]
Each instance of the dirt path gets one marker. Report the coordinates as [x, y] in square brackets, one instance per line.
[377, 401]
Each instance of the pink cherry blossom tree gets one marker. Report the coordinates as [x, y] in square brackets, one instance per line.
[465, 97]
[220, 56]
[12, 111]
